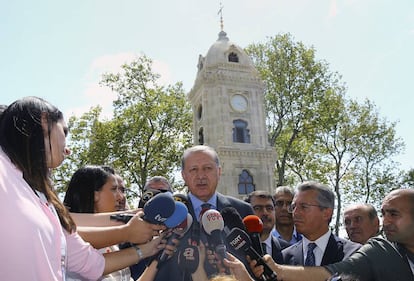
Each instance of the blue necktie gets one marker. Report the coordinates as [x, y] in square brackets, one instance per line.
[204, 208]
[310, 256]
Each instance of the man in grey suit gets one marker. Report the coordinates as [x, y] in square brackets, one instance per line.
[312, 209]
[201, 171]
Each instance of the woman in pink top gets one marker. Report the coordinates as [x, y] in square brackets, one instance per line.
[38, 240]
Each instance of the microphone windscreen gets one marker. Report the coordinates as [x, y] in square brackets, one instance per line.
[239, 240]
[181, 198]
[159, 208]
[253, 224]
[232, 218]
[212, 220]
[146, 196]
[188, 259]
[184, 226]
[179, 215]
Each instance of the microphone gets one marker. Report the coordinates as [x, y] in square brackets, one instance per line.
[254, 226]
[231, 219]
[188, 259]
[177, 233]
[240, 241]
[179, 215]
[213, 224]
[159, 208]
[124, 217]
[147, 195]
[181, 198]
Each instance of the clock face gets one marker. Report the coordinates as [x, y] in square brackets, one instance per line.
[238, 102]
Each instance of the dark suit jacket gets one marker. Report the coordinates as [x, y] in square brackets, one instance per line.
[277, 246]
[173, 271]
[336, 250]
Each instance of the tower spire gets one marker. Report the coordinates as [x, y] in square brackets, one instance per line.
[220, 12]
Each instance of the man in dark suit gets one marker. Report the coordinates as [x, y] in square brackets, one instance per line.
[201, 170]
[312, 210]
[263, 206]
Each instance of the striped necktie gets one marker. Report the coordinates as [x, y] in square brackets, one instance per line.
[310, 256]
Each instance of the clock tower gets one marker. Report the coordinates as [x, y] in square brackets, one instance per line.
[228, 105]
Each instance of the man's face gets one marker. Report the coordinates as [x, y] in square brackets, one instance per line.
[282, 203]
[358, 225]
[201, 174]
[310, 219]
[264, 209]
[398, 222]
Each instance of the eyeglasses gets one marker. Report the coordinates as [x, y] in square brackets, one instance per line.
[280, 204]
[304, 207]
[260, 208]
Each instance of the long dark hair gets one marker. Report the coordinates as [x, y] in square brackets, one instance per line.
[80, 194]
[22, 139]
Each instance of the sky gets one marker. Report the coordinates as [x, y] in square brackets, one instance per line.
[58, 50]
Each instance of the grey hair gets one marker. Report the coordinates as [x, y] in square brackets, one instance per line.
[325, 198]
[200, 148]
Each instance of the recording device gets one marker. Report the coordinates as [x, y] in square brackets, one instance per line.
[159, 208]
[188, 259]
[231, 219]
[179, 215]
[240, 241]
[181, 198]
[147, 195]
[177, 233]
[213, 225]
[124, 217]
[254, 226]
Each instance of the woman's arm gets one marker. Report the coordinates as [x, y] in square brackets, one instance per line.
[135, 231]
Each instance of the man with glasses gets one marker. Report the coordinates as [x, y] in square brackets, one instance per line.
[284, 227]
[263, 206]
[312, 209]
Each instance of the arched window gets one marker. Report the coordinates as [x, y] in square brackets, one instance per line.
[240, 131]
[201, 136]
[233, 57]
[245, 183]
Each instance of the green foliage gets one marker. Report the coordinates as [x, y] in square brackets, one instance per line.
[151, 126]
[318, 133]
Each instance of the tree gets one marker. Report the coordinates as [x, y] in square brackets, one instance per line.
[295, 83]
[150, 128]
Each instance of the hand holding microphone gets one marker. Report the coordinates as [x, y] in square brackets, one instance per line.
[179, 223]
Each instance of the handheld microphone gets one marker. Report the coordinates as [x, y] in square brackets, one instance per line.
[159, 208]
[179, 215]
[240, 241]
[177, 233]
[231, 219]
[125, 217]
[213, 225]
[254, 226]
[188, 259]
[147, 195]
[181, 198]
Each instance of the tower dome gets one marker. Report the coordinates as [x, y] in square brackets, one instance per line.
[224, 51]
